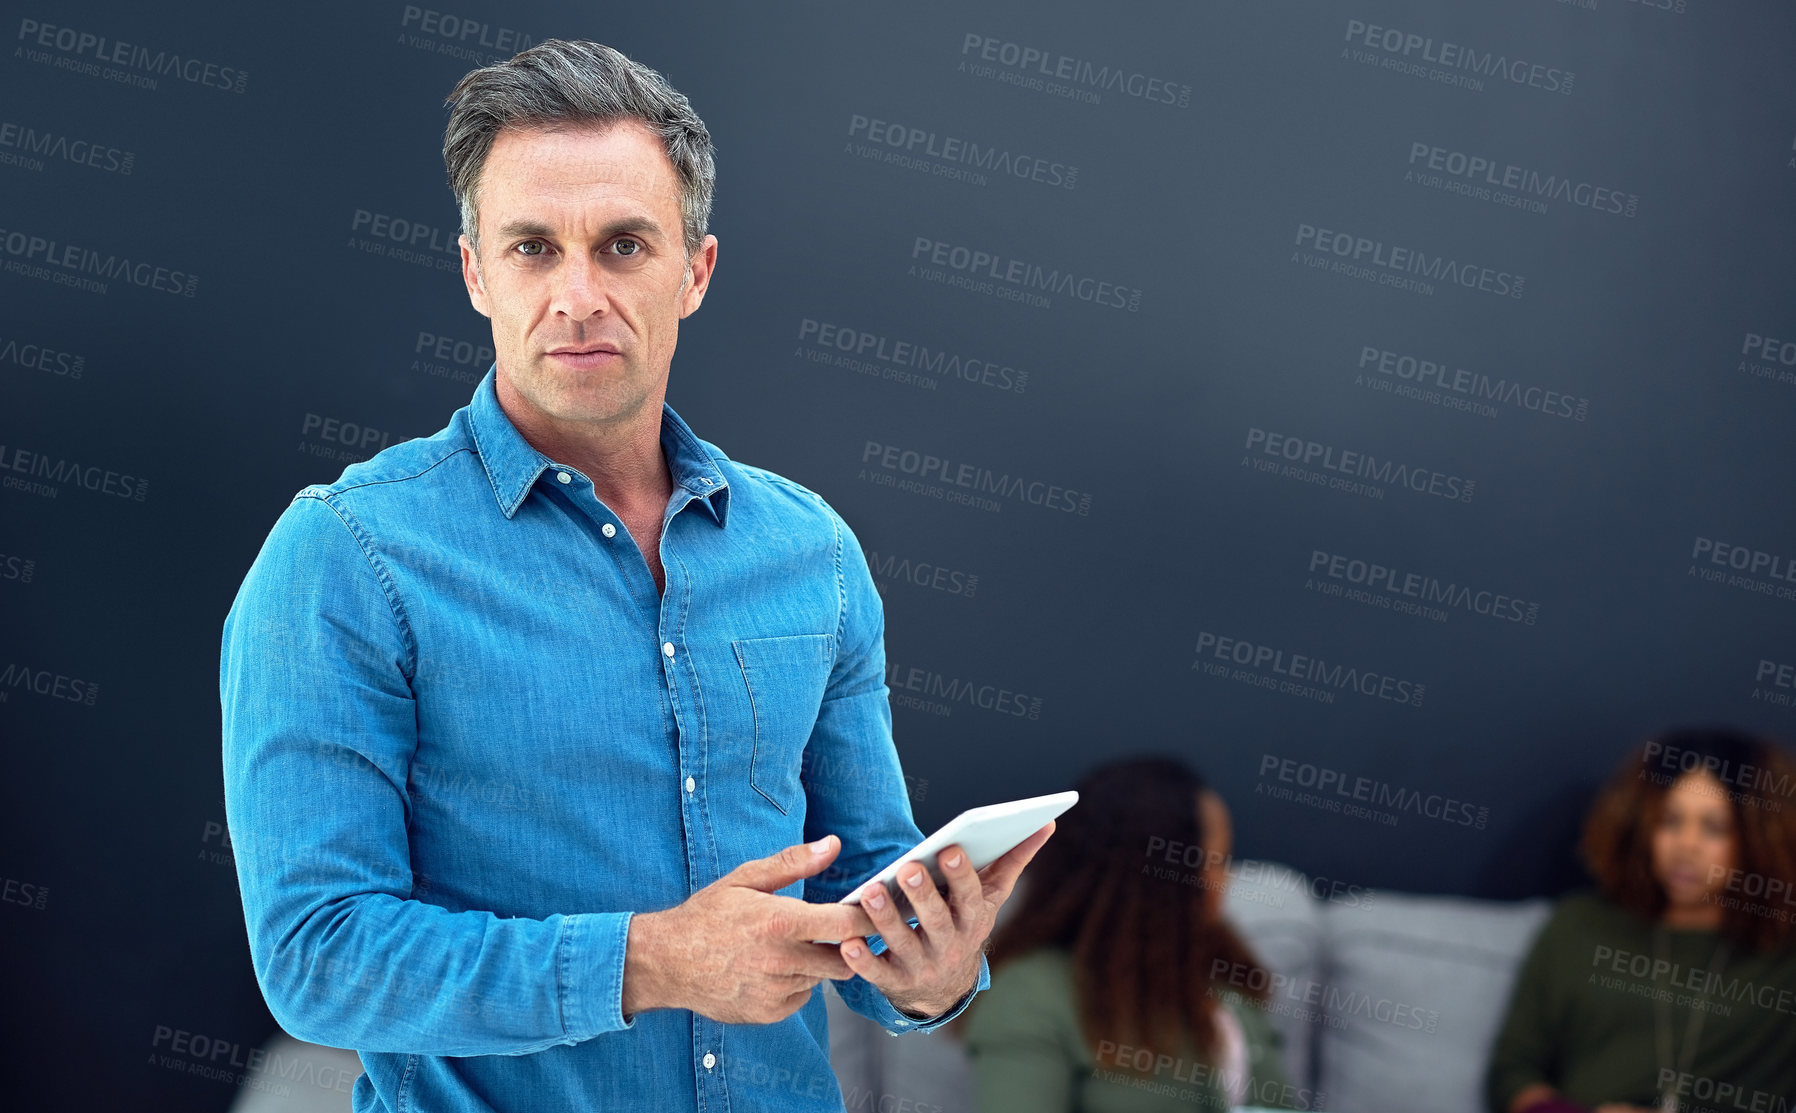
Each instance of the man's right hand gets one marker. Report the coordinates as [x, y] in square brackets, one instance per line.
[735, 952]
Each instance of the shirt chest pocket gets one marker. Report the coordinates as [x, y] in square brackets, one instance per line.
[785, 679]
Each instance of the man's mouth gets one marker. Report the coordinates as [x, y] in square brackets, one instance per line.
[585, 357]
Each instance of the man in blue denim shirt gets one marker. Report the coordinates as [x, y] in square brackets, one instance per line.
[550, 740]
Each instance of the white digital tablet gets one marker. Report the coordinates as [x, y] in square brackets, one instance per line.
[986, 834]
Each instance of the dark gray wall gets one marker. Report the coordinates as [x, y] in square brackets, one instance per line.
[1512, 282]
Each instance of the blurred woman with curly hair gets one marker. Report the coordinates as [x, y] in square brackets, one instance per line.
[1674, 986]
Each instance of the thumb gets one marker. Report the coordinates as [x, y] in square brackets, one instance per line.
[776, 871]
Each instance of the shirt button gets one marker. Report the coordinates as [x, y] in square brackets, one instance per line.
[667, 649]
[710, 1060]
[691, 784]
[705, 481]
[564, 477]
[608, 530]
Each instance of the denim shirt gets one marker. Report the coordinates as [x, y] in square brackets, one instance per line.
[465, 739]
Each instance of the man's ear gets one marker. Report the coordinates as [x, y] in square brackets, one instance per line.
[472, 278]
[698, 276]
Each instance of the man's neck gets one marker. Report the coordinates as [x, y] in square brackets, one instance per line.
[624, 460]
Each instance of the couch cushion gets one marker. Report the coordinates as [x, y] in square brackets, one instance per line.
[1272, 907]
[1414, 990]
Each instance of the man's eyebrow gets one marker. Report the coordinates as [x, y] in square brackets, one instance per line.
[634, 225]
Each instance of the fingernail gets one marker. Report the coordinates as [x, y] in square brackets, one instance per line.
[914, 879]
[876, 901]
[853, 950]
[952, 861]
[820, 846]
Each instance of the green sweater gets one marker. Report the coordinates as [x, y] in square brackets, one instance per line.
[1582, 1017]
[1023, 1038]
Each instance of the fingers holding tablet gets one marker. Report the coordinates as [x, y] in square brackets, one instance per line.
[999, 878]
[986, 834]
[925, 970]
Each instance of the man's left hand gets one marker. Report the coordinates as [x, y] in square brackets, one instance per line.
[925, 971]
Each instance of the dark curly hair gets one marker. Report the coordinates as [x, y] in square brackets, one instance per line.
[1760, 785]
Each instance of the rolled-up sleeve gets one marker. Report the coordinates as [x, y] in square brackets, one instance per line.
[854, 785]
[320, 730]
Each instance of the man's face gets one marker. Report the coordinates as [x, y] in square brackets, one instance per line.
[583, 272]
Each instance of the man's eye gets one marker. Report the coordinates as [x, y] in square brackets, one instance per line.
[627, 247]
[531, 247]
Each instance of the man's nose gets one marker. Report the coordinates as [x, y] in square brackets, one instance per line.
[579, 288]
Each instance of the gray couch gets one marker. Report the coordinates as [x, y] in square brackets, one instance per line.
[1387, 1003]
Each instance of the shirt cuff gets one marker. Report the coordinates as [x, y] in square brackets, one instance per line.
[590, 964]
[897, 1023]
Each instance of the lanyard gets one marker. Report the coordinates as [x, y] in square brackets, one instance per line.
[1668, 1100]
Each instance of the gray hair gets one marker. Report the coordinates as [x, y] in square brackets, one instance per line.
[560, 83]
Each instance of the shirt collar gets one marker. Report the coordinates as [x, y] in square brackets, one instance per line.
[513, 464]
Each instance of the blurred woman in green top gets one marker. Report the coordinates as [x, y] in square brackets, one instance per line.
[1109, 979]
[1674, 988]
